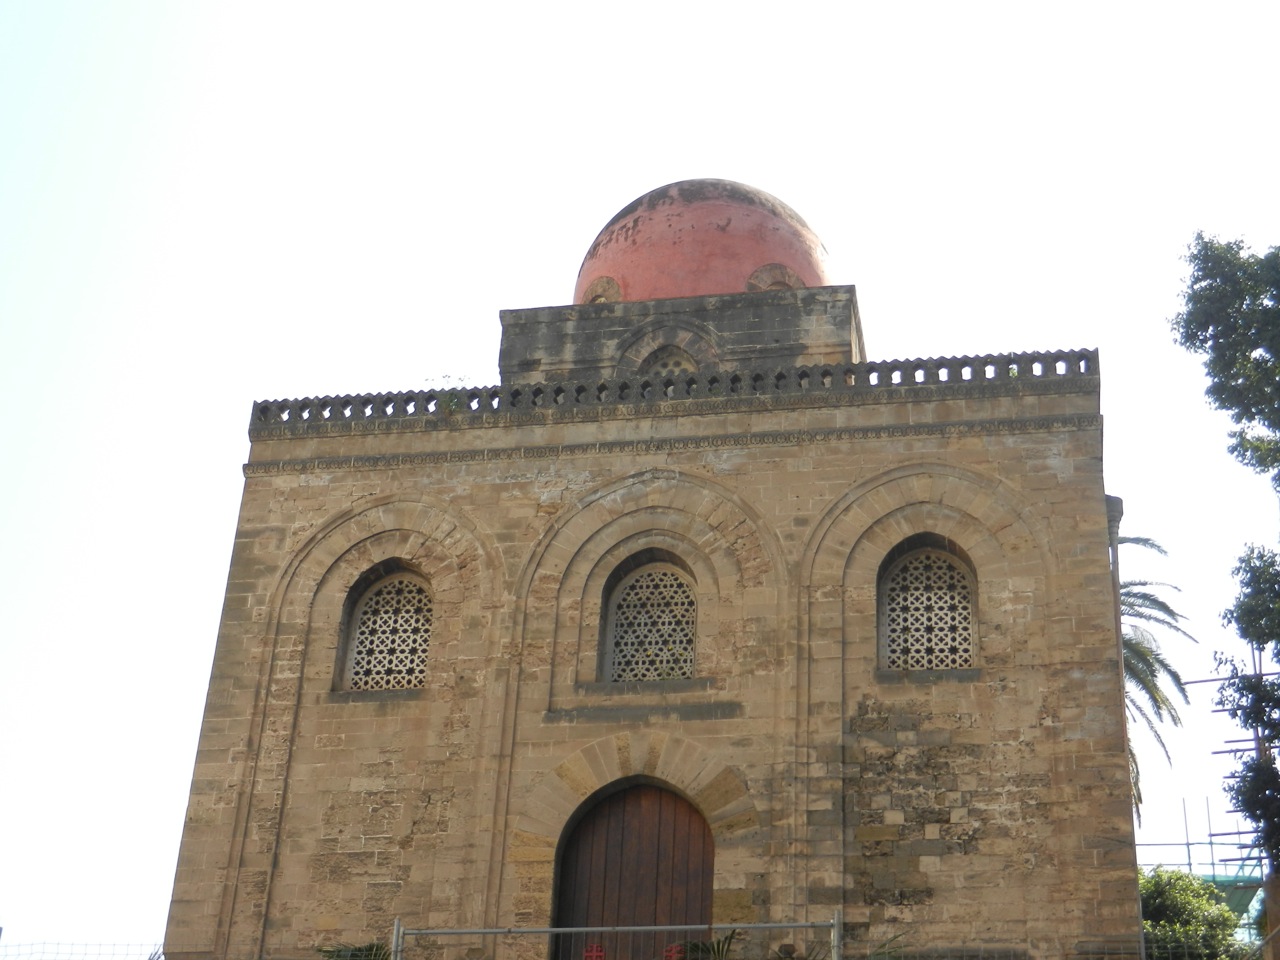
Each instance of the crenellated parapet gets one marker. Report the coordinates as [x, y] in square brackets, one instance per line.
[701, 391]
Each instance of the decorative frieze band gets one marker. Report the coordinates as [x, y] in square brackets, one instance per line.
[678, 444]
[681, 394]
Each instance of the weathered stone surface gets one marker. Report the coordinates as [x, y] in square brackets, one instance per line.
[958, 803]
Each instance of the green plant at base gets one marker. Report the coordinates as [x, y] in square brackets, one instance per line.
[889, 949]
[348, 951]
[716, 949]
[812, 951]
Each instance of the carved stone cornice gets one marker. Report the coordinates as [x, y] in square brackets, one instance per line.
[615, 448]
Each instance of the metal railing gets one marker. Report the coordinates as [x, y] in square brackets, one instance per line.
[744, 941]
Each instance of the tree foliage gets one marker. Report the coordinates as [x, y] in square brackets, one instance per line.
[1256, 612]
[1253, 699]
[1231, 316]
[1256, 794]
[1185, 917]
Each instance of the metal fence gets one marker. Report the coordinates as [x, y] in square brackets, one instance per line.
[749, 941]
[777, 941]
[55, 950]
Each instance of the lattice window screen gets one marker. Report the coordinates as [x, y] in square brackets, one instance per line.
[390, 637]
[652, 623]
[927, 610]
[666, 360]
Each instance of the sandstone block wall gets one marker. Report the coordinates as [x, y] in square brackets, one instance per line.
[781, 328]
[982, 807]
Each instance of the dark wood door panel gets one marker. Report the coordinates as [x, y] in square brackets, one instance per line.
[641, 857]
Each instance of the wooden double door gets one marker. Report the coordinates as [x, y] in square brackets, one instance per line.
[643, 856]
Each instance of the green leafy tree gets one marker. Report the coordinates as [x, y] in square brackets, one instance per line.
[1253, 699]
[1231, 316]
[1152, 685]
[1185, 918]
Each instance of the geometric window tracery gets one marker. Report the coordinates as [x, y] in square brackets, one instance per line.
[668, 360]
[651, 626]
[926, 607]
[390, 636]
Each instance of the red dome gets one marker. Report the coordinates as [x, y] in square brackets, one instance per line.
[697, 238]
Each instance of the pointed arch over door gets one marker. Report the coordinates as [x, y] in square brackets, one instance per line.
[642, 856]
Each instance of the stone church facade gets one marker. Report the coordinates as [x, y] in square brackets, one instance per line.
[858, 618]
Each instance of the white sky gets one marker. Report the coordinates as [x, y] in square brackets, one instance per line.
[207, 204]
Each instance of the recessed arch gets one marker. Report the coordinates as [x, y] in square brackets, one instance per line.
[351, 533]
[774, 276]
[982, 518]
[649, 537]
[934, 496]
[668, 360]
[719, 513]
[302, 617]
[602, 290]
[725, 545]
[695, 340]
[702, 777]
[435, 545]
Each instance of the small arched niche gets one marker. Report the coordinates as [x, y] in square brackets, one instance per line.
[774, 276]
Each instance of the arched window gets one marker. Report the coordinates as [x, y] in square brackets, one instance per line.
[651, 619]
[927, 604]
[388, 630]
[668, 360]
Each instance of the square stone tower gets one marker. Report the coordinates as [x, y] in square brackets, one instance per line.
[698, 600]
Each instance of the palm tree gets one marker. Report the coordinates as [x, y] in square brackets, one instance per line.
[1151, 682]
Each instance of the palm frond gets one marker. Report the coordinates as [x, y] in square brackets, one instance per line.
[1151, 681]
[1149, 678]
[1135, 783]
[1146, 542]
[1139, 603]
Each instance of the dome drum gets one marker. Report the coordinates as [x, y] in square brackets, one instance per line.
[781, 328]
